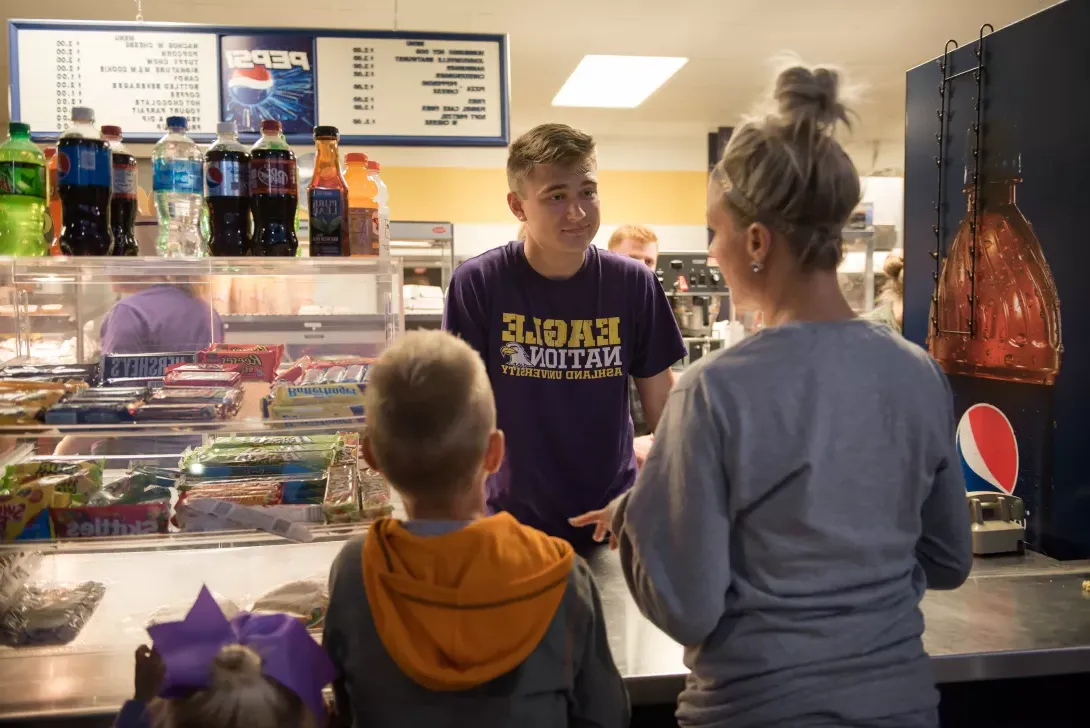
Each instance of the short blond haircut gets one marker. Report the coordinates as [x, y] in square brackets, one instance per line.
[548, 144]
[640, 233]
[429, 412]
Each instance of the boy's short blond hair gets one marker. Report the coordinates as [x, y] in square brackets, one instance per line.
[429, 411]
[548, 144]
[640, 233]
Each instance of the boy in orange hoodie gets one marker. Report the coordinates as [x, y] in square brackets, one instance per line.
[452, 618]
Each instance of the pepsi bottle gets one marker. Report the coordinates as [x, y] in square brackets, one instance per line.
[227, 193]
[84, 179]
[995, 330]
[274, 193]
[123, 198]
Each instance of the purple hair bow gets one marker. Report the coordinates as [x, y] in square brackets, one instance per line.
[288, 654]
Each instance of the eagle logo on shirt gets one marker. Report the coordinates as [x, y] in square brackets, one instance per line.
[516, 355]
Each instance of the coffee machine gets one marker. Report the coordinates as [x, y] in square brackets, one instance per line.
[698, 296]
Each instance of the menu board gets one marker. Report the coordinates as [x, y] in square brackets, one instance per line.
[132, 79]
[376, 87]
[410, 87]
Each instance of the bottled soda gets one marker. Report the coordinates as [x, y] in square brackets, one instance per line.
[362, 205]
[178, 182]
[227, 191]
[53, 200]
[383, 215]
[327, 197]
[123, 201]
[22, 194]
[84, 178]
[274, 193]
[999, 341]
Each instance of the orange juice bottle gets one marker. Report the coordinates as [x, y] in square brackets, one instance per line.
[53, 222]
[362, 206]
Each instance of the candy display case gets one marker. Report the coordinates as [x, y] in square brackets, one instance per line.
[201, 428]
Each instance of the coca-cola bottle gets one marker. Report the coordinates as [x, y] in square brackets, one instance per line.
[274, 193]
[995, 330]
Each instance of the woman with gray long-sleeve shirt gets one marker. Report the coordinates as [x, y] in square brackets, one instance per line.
[803, 489]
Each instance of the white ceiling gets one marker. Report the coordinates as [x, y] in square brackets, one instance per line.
[730, 44]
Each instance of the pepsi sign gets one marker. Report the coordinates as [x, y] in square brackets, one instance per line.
[269, 77]
[988, 449]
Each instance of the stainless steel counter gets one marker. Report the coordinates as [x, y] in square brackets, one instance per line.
[1016, 617]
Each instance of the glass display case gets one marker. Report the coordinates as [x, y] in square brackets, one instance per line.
[200, 427]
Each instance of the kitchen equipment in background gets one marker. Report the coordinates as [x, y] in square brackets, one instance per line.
[998, 523]
[426, 250]
[697, 293]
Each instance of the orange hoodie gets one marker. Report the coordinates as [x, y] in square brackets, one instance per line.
[457, 610]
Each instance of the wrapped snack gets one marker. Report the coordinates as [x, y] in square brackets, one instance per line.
[294, 394]
[255, 361]
[314, 441]
[109, 394]
[342, 501]
[21, 415]
[374, 494]
[229, 398]
[111, 520]
[120, 369]
[247, 493]
[328, 371]
[87, 474]
[216, 463]
[89, 413]
[177, 412]
[136, 487]
[203, 375]
[51, 372]
[307, 600]
[51, 615]
[16, 568]
[24, 513]
[30, 397]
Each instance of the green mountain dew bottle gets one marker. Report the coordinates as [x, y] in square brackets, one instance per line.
[22, 194]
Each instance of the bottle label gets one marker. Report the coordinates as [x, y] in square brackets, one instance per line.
[361, 231]
[227, 178]
[22, 178]
[327, 229]
[185, 176]
[124, 176]
[273, 177]
[83, 164]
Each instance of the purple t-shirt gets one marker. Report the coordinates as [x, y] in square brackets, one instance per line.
[158, 319]
[559, 354]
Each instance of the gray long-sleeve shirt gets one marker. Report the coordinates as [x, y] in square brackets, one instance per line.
[803, 491]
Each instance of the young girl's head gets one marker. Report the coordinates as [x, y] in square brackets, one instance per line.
[238, 696]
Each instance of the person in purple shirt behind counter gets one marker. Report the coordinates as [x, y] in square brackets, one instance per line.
[165, 317]
[561, 325]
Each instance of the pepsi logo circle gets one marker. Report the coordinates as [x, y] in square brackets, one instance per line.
[64, 164]
[250, 86]
[988, 450]
[214, 176]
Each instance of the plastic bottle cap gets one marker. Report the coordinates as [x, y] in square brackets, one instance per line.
[326, 132]
[374, 165]
[111, 132]
[270, 125]
[83, 114]
[355, 157]
[177, 121]
[18, 127]
[227, 127]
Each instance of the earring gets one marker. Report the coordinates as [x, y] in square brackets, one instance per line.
[757, 266]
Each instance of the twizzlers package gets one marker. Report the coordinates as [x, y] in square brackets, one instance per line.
[255, 362]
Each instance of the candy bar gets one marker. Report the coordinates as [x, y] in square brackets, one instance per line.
[85, 475]
[342, 501]
[203, 375]
[88, 413]
[289, 394]
[255, 461]
[177, 412]
[112, 520]
[21, 415]
[227, 397]
[255, 362]
[50, 372]
[119, 368]
[314, 441]
[24, 513]
[109, 394]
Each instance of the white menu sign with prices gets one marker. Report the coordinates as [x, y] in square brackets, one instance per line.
[131, 78]
[406, 87]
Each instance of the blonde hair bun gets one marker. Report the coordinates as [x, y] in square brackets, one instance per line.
[811, 97]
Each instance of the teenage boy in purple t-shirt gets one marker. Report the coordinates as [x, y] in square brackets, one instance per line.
[561, 325]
